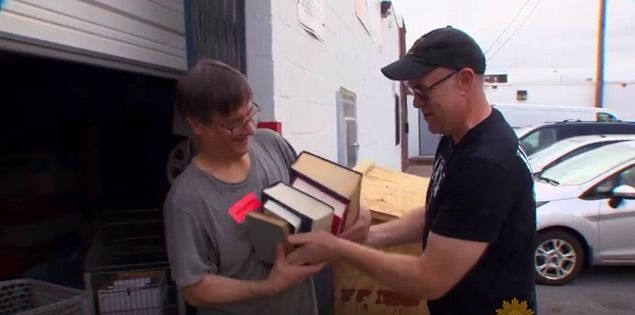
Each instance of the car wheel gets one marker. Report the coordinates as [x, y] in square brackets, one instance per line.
[178, 159]
[558, 257]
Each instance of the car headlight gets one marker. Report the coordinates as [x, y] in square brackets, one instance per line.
[541, 203]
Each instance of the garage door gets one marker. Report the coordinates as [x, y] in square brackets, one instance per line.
[144, 36]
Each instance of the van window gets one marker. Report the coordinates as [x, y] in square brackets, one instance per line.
[539, 140]
[602, 116]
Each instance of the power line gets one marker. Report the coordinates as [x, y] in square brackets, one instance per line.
[515, 31]
[508, 25]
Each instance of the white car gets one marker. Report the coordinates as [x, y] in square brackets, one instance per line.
[570, 147]
[586, 213]
[536, 138]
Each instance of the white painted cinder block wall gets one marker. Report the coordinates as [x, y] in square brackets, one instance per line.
[297, 77]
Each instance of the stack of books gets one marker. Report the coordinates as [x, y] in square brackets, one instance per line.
[322, 195]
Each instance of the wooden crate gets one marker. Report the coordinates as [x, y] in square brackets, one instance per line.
[388, 194]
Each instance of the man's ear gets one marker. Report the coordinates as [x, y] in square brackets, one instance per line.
[467, 77]
[196, 125]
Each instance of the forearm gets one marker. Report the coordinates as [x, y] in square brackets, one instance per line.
[406, 229]
[215, 289]
[407, 274]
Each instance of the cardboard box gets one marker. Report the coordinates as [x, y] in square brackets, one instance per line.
[388, 194]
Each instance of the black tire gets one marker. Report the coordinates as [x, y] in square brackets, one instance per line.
[558, 257]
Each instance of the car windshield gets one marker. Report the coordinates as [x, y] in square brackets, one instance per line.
[554, 150]
[586, 166]
[565, 149]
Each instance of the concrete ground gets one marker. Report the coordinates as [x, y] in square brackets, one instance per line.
[421, 166]
[420, 169]
[600, 291]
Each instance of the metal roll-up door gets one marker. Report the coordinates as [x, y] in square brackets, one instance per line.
[144, 36]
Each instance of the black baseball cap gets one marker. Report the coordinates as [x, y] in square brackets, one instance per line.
[445, 47]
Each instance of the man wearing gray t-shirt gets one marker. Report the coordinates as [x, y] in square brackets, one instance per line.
[211, 259]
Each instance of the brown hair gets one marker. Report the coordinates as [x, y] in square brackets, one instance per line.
[211, 87]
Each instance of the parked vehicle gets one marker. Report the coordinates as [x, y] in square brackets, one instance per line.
[586, 213]
[536, 138]
[524, 115]
[570, 147]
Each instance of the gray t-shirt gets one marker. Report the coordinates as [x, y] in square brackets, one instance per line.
[203, 239]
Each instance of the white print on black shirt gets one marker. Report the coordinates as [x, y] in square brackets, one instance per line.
[437, 175]
[521, 154]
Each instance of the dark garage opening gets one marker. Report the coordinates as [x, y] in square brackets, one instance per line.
[83, 153]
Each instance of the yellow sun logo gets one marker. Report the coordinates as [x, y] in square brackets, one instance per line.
[514, 307]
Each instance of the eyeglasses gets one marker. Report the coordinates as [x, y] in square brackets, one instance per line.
[424, 92]
[252, 120]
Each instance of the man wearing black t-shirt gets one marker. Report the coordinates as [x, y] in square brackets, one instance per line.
[478, 224]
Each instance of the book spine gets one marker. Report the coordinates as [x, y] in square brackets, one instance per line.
[336, 225]
[344, 222]
[306, 223]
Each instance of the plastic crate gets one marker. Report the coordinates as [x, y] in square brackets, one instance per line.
[31, 297]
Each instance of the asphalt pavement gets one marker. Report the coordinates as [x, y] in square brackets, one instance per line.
[600, 291]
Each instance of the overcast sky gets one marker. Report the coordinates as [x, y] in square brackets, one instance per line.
[556, 42]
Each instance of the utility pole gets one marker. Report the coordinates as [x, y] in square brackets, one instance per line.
[599, 63]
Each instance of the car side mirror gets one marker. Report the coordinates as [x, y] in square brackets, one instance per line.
[619, 194]
[624, 191]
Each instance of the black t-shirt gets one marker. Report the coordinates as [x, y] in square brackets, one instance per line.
[482, 190]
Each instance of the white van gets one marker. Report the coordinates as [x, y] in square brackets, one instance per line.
[523, 115]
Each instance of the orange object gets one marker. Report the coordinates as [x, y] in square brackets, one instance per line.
[246, 204]
[273, 125]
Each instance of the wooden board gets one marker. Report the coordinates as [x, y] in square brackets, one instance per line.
[388, 194]
[358, 294]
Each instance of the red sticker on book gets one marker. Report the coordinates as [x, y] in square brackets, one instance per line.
[238, 211]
